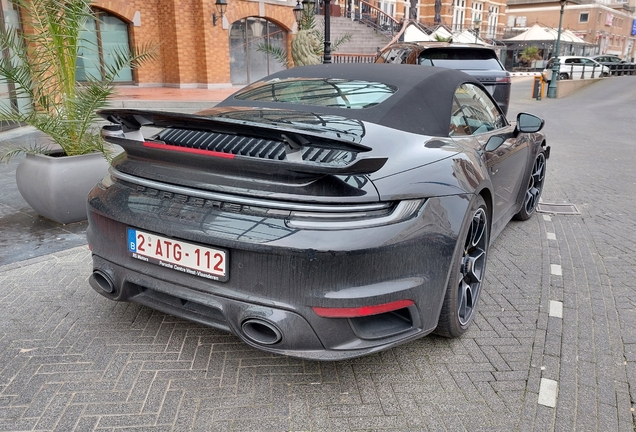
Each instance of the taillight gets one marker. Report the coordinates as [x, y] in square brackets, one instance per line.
[504, 79]
[362, 310]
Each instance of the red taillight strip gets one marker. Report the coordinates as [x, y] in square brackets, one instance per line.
[361, 311]
[188, 150]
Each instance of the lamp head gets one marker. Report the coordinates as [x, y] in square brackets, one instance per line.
[298, 11]
[309, 5]
[221, 6]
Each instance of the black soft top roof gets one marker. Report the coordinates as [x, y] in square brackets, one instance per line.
[422, 103]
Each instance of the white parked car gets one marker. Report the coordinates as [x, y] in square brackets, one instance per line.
[575, 67]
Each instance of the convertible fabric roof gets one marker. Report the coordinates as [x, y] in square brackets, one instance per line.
[422, 104]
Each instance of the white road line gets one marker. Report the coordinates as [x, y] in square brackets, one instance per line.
[551, 236]
[548, 392]
[555, 269]
[556, 309]
[547, 218]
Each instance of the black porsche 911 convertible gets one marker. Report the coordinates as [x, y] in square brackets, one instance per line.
[323, 212]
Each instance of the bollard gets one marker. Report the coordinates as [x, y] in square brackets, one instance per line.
[537, 87]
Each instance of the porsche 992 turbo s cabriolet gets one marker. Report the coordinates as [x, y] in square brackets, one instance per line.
[323, 212]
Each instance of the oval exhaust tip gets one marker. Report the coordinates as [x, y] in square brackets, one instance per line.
[103, 281]
[261, 332]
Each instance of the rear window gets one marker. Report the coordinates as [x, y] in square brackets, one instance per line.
[458, 58]
[326, 92]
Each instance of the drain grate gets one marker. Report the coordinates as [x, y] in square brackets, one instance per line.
[566, 209]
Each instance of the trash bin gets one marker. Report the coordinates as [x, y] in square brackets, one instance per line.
[537, 87]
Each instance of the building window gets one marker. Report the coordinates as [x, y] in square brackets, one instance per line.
[478, 9]
[493, 21]
[247, 62]
[103, 37]
[459, 13]
[584, 17]
[10, 19]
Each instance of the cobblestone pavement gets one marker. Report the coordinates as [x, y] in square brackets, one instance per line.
[553, 346]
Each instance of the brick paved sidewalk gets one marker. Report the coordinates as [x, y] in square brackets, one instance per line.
[72, 360]
[552, 347]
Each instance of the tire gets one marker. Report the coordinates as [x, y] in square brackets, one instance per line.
[467, 273]
[531, 197]
[604, 74]
[563, 76]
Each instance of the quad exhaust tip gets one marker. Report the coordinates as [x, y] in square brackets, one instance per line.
[261, 332]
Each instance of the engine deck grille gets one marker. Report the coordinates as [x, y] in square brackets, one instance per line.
[251, 147]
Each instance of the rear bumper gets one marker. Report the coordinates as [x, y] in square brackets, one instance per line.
[277, 275]
[274, 329]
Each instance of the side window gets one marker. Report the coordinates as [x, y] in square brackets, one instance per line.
[458, 125]
[396, 55]
[480, 112]
[403, 56]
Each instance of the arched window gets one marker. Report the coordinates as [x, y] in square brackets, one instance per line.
[247, 63]
[103, 36]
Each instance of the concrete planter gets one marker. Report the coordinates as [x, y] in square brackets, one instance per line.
[56, 187]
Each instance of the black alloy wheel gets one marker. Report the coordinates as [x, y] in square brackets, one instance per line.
[563, 76]
[534, 189]
[465, 284]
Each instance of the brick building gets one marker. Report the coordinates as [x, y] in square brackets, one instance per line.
[199, 48]
[196, 42]
[488, 16]
[609, 25]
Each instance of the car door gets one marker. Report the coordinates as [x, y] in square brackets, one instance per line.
[476, 115]
[591, 69]
[572, 67]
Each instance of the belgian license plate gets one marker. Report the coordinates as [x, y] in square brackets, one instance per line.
[178, 255]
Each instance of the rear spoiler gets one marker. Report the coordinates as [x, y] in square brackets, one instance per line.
[128, 136]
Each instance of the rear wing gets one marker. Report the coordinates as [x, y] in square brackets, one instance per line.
[260, 147]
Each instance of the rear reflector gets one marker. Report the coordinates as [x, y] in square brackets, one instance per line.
[188, 150]
[361, 311]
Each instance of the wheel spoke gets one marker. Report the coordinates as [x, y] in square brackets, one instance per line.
[532, 198]
[477, 228]
[476, 263]
[465, 303]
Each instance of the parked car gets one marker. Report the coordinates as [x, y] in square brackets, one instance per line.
[617, 65]
[477, 60]
[324, 212]
[574, 67]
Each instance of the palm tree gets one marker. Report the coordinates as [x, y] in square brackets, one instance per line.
[42, 63]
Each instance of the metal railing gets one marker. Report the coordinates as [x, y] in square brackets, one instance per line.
[372, 16]
[353, 58]
[568, 69]
[622, 69]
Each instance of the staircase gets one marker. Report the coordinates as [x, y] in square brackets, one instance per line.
[364, 39]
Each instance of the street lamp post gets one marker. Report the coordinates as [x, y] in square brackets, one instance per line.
[476, 26]
[327, 51]
[552, 87]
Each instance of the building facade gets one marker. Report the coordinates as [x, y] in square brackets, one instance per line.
[610, 26]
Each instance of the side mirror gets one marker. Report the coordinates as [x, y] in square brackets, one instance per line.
[529, 123]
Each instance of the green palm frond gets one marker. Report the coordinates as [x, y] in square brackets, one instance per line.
[278, 53]
[42, 63]
[307, 22]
